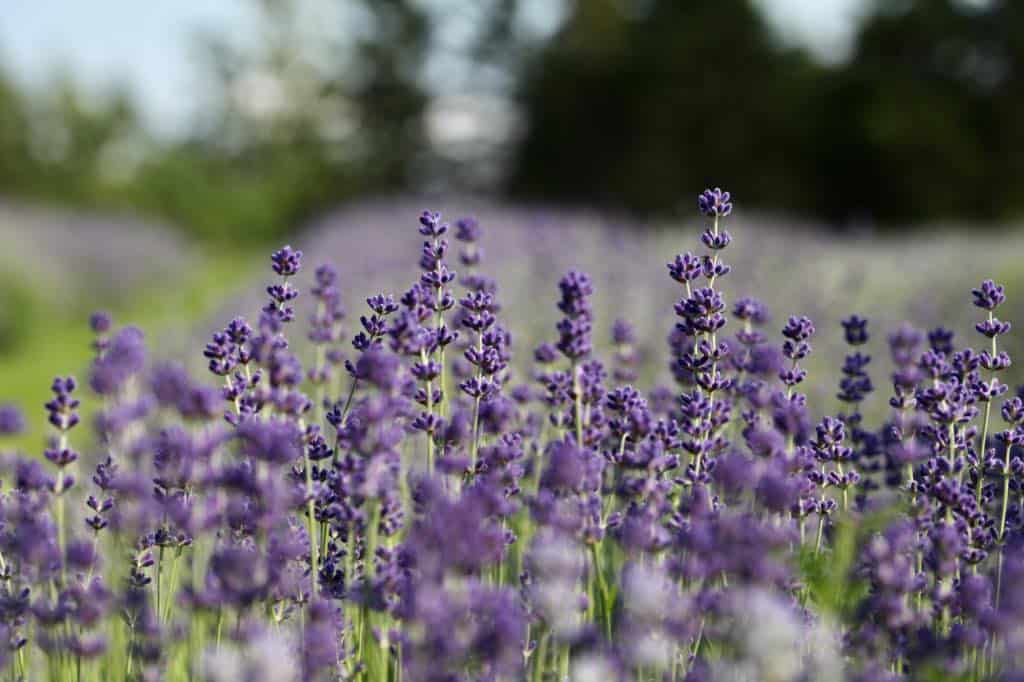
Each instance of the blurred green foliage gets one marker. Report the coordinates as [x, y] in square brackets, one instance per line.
[242, 173]
[831, 580]
[18, 311]
[921, 122]
[629, 104]
[51, 339]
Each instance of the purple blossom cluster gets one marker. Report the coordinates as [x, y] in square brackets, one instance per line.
[419, 502]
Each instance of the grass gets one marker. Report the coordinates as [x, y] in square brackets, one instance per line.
[58, 340]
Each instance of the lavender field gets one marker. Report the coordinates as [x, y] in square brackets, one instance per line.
[518, 443]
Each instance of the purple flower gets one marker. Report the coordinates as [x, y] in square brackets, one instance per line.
[63, 408]
[100, 322]
[12, 421]
[714, 202]
[467, 230]
[125, 357]
[274, 440]
[685, 268]
[431, 225]
[989, 295]
[286, 262]
[575, 328]
[856, 330]
[378, 368]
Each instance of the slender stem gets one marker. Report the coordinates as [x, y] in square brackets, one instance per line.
[979, 472]
[999, 576]
[839, 470]
[348, 400]
[159, 577]
[476, 433]
[602, 587]
[578, 403]
[314, 544]
[1006, 493]
[61, 525]
[430, 410]
[539, 658]
[563, 668]
[476, 402]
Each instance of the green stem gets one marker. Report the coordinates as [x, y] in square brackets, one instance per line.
[430, 410]
[1006, 493]
[538, 658]
[159, 577]
[984, 430]
[839, 470]
[476, 404]
[563, 668]
[578, 404]
[314, 544]
[602, 588]
[172, 584]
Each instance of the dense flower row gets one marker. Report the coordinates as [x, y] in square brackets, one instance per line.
[406, 505]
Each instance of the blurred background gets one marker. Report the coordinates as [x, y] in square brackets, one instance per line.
[151, 154]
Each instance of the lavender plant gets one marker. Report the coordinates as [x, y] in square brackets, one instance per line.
[445, 509]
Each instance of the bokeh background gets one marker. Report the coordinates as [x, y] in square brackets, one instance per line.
[152, 153]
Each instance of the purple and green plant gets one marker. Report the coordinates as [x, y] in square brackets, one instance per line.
[386, 510]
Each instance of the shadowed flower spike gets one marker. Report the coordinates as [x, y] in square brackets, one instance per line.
[989, 295]
[714, 202]
[431, 225]
[287, 261]
[12, 422]
[467, 230]
[623, 332]
[685, 268]
[125, 357]
[748, 308]
[856, 330]
[575, 329]
[797, 331]
[993, 327]
[940, 340]
[378, 368]
[100, 322]
[325, 322]
[63, 408]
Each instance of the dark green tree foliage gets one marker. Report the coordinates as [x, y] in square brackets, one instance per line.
[627, 108]
[923, 121]
[328, 129]
[630, 101]
[60, 145]
[260, 172]
[14, 153]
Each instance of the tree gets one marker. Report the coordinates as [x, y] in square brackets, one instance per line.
[630, 109]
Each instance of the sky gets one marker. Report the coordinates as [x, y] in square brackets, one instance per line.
[149, 45]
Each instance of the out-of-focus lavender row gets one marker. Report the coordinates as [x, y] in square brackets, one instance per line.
[795, 268]
[71, 254]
